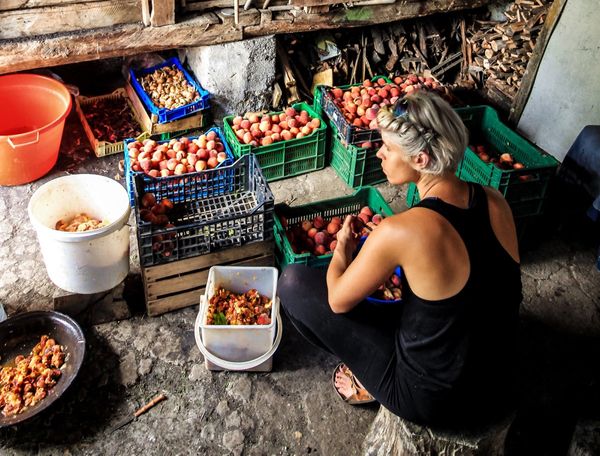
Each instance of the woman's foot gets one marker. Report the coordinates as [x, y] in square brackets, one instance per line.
[348, 388]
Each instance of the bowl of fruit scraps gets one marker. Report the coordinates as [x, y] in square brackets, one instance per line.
[40, 356]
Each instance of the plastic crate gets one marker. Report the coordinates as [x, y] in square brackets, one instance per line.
[285, 158]
[230, 216]
[349, 133]
[524, 189]
[341, 207]
[356, 166]
[179, 188]
[320, 89]
[103, 148]
[167, 115]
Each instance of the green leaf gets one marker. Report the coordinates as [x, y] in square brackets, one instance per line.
[219, 319]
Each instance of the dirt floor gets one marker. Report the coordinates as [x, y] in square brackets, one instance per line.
[293, 409]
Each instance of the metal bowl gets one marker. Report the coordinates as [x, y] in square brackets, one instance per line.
[18, 336]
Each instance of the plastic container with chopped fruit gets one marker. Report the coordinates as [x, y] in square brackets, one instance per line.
[239, 347]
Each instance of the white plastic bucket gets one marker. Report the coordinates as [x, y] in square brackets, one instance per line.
[240, 347]
[88, 261]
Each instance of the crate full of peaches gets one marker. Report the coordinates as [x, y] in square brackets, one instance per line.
[353, 108]
[296, 135]
[167, 161]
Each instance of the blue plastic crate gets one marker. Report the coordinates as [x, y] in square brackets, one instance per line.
[167, 115]
[178, 188]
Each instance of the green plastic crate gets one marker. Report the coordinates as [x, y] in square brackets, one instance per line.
[524, 189]
[285, 159]
[319, 90]
[341, 207]
[356, 166]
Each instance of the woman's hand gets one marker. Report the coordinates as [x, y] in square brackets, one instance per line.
[347, 239]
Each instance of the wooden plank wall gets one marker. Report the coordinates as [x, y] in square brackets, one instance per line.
[65, 16]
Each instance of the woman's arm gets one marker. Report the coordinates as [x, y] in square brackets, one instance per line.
[348, 281]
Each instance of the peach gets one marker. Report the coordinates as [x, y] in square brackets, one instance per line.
[237, 120]
[286, 135]
[254, 118]
[221, 157]
[266, 141]
[366, 210]
[377, 218]
[212, 162]
[333, 228]
[200, 165]
[247, 137]
[290, 112]
[322, 238]
[165, 173]
[315, 123]
[210, 145]
[179, 169]
[320, 250]
[203, 154]
[318, 222]
[192, 148]
[306, 225]
[337, 93]
[312, 232]
[336, 220]
[211, 136]
[363, 218]
[306, 130]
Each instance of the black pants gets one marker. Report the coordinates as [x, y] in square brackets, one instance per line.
[364, 338]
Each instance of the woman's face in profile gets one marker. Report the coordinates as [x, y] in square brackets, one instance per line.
[395, 163]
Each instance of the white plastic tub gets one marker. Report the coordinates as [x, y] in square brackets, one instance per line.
[240, 347]
[89, 261]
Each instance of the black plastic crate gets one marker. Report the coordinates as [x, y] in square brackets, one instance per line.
[234, 216]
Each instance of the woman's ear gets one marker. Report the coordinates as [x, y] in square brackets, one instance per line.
[421, 160]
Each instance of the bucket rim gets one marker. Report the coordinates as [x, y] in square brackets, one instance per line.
[51, 124]
[83, 236]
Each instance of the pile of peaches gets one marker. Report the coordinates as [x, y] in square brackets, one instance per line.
[178, 156]
[359, 104]
[257, 130]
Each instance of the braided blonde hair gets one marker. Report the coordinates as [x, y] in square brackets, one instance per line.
[428, 125]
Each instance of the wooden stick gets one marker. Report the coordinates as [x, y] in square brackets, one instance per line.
[236, 12]
[149, 405]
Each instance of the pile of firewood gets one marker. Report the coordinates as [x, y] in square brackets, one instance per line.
[498, 52]
[431, 46]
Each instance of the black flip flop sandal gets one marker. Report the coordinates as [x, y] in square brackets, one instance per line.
[360, 395]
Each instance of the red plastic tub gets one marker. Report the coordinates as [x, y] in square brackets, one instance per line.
[33, 110]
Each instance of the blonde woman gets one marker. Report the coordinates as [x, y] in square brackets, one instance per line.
[445, 354]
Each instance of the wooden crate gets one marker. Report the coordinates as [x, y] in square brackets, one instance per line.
[171, 286]
[103, 148]
[150, 121]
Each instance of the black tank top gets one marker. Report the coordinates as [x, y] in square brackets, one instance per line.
[460, 348]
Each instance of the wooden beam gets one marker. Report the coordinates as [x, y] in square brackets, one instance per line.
[113, 42]
[28, 22]
[530, 74]
[163, 13]
[6, 5]
[288, 22]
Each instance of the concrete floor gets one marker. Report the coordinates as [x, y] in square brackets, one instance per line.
[293, 409]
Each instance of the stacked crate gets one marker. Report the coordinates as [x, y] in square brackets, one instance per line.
[355, 165]
[221, 216]
[525, 189]
[164, 123]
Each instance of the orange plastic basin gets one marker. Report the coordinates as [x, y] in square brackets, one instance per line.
[33, 110]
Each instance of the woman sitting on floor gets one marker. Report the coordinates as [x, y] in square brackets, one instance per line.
[445, 354]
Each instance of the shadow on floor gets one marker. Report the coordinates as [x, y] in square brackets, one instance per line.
[560, 384]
